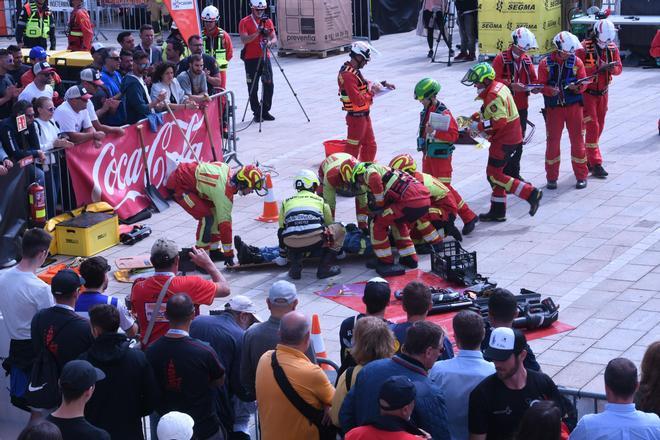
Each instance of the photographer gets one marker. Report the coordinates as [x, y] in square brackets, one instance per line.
[258, 35]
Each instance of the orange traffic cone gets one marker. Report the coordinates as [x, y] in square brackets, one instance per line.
[270, 212]
[317, 341]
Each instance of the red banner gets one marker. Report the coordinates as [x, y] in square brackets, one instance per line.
[114, 173]
[186, 16]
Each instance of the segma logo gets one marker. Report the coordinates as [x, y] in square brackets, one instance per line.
[521, 7]
[551, 4]
[490, 25]
[498, 6]
[549, 24]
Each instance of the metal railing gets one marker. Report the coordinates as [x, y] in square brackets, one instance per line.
[585, 402]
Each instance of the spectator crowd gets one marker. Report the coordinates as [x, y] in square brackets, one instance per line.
[86, 365]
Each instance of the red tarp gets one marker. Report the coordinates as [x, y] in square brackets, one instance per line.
[350, 295]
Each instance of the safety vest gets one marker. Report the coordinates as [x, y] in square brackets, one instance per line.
[303, 213]
[437, 189]
[36, 26]
[561, 76]
[499, 103]
[363, 86]
[217, 49]
[431, 147]
[592, 53]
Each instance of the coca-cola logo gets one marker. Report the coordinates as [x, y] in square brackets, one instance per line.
[119, 168]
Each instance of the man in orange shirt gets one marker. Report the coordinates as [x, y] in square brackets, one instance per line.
[145, 291]
[601, 58]
[279, 418]
[81, 31]
[356, 95]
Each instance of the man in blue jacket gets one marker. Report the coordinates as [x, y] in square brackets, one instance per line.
[422, 347]
[135, 95]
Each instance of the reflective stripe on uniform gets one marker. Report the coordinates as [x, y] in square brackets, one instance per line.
[553, 161]
[407, 251]
[496, 199]
[505, 185]
[382, 253]
[578, 159]
[591, 145]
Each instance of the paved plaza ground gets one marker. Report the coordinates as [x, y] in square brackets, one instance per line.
[596, 252]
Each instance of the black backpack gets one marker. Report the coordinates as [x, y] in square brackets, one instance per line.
[43, 388]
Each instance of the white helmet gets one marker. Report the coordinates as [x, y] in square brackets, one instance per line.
[524, 39]
[362, 48]
[566, 42]
[174, 26]
[306, 179]
[258, 4]
[605, 32]
[210, 13]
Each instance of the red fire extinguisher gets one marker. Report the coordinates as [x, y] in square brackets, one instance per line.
[37, 200]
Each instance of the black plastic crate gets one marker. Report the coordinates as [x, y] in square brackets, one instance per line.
[453, 263]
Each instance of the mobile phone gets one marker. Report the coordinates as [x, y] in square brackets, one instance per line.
[185, 263]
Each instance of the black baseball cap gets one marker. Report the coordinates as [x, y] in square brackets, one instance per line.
[65, 282]
[80, 375]
[504, 342]
[396, 392]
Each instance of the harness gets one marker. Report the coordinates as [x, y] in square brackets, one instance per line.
[347, 105]
[592, 55]
[560, 76]
[219, 52]
[396, 183]
[512, 72]
[430, 147]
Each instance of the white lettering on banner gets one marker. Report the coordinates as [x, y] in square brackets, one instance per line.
[182, 5]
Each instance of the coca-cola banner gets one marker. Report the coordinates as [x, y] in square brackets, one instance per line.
[114, 172]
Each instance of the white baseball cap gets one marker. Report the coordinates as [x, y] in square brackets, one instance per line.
[243, 304]
[175, 426]
[504, 342]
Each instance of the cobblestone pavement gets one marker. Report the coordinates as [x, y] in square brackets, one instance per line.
[595, 251]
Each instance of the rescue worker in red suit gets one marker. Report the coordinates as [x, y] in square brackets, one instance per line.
[332, 183]
[601, 58]
[443, 210]
[80, 32]
[395, 200]
[217, 42]
[356, 95]
[206, 191]
[498, 120]
[514, 69]
[560, 73]
[436, 139]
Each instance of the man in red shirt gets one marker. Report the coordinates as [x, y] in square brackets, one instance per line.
[258, 35]
[145, 291]
[514, 68]
[601, 58]
[356, 95]
[560, 73]
[81, 31]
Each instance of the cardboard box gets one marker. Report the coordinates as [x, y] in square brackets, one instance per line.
[313, 24]
[87, 234]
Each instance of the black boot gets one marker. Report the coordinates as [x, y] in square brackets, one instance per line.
[326, 268]
[599, 171]
[552, 184]
[389, 270]
[581, 184]
[295, 261]
[247, 254]
[497, 213]
[408, 261]
[534, 201]
[469, 226]
[216, 255]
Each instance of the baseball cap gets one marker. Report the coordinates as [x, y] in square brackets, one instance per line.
[282, 292]
[175, 425]
[65, 282]
[38, 53]
[95, 47]
[92, 75]
[77, 92]
[42, 67]
[396, 392]
[504, 342]
[164, 251]
[241, 303]
[80, 375]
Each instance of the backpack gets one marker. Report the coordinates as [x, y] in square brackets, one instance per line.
[43, 388]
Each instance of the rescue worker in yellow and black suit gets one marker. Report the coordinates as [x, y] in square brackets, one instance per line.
[35, 26]
[306, 224]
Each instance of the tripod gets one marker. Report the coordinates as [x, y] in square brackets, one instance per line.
[447, 23]
[259, 73]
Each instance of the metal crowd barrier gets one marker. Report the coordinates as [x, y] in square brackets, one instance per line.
[586, 402]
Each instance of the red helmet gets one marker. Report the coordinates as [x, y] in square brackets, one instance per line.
[404, 162]
[346, 170]
[249, 177]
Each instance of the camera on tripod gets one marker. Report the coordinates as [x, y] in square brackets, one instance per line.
[262, 26]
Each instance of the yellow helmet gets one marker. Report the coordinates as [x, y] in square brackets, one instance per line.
[346, 170]
[249, 177]
[404, 162]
